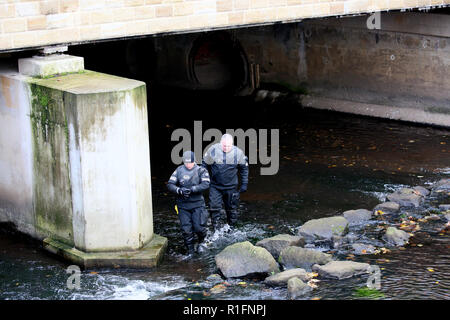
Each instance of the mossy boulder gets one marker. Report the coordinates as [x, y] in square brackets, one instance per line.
[297, 257]
[243, 259]
[324, 228]
[277, 243]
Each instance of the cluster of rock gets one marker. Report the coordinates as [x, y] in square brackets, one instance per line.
[301, 261]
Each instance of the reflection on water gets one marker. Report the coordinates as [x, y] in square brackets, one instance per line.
[329, 163]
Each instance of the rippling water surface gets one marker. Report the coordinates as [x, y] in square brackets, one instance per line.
[329, 163]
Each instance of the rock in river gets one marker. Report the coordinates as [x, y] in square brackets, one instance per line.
[324, 228]
[244, 259]
[341, 269]
[357, 216]
[297, 288]
[406, 197]
[387, 207]
[296, 257]
[396, 237]
[275, 244]
[281, 279]
[361, 248]
[441, 185]
[444, 207]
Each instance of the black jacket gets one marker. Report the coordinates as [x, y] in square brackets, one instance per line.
[197, 177]
[225, 166]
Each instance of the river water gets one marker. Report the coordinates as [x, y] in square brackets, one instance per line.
[329, 163]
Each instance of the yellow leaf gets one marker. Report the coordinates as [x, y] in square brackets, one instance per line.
[316, 298]
[430, 269]
[93, 272]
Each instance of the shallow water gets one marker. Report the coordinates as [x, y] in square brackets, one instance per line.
[329, 163]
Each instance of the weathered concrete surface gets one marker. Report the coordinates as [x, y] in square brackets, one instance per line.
[398, 72]
[79, 21]
[146, 257]
[44, 66]
[244, 259]
[75, 164]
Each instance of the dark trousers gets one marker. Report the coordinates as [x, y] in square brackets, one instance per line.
[230, 199]
[192, 221]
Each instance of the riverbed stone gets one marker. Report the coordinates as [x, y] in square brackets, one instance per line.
[341, 269]
[297, 288]
[357, 216]
[395, 236]
[447, 216]
[297, 257]
[406, 197]
[277, 243]
[422, 191]
[387, 207]
[324, 228]
[444, 207]
[281, 279]
[244, 259]
[362, 248]
[441, 185]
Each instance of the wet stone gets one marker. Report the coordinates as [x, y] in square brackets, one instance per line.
[244, 259]
[361, 248]
[444, 207]
[447, 216]
[396, 237]
[422, 191]
[296, 257]
[281, 279]
[441, 185]
[387, 207]
[406, 197]
[297, 288]
[357, 216]
[277, 243]
[324, 228]
[341, 269]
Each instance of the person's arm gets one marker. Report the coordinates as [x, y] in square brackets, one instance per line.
[207, 160]
[243, 170]
[172, 184]
[204, 182]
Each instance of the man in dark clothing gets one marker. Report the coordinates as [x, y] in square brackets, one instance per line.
[225, 160]
[189, 181]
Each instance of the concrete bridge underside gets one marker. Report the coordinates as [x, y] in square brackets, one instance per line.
[74, 160]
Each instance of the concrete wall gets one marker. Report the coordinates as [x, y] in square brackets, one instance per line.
[75, 162]
[25, 24]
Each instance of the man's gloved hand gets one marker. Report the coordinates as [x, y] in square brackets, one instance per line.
[186, 192]
[194, 189]
[243, 188]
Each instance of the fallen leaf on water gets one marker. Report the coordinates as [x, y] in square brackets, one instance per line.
[242, 283]
[93, 272]
[430, 269]
[420, 245]
[206, 294]
[316, 298]
[313, 274]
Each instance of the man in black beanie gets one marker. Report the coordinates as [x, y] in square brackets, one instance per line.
[189, 181]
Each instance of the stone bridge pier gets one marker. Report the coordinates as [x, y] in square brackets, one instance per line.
[75, 162]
